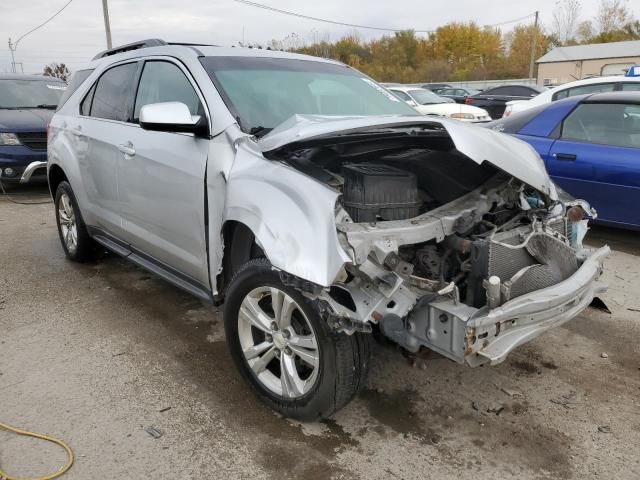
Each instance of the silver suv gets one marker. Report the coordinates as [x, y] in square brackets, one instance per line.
[319, 208]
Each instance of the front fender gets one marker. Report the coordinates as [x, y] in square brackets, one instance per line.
[291, 215]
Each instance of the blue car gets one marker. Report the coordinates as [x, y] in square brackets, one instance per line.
[590, 145]
[27, 103]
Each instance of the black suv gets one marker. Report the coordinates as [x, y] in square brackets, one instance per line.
[494, 100]
[27, 103]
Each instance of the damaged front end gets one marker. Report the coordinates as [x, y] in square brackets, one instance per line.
[466, 256]
[462, 282]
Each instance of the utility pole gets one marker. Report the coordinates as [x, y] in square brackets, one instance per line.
[12, 49]
[107, 26]
[533, 46]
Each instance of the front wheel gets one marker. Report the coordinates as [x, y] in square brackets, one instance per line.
[286, 351]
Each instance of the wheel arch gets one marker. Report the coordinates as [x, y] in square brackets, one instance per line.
[240, 246]
[55, 176]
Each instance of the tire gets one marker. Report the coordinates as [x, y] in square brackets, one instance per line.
[326, 375]
[76, 242]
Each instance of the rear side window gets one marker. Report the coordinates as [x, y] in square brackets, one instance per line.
[401, 95]
[583, 90]
[165, 82]
[112, 95]
[522, 91]
[607, 124]
[77, 79]
[85, 105]
[631, 87]
[497, 91]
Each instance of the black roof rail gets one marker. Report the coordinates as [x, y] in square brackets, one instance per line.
[151, 42]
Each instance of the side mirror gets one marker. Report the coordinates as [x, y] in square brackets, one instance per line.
[173, 117]
[411, 102]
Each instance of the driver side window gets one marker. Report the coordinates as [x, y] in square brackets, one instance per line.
[164, 82]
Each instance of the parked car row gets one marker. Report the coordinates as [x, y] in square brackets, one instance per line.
[617, 83]
[428, 103]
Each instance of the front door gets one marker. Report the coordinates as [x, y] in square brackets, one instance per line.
[161, 178]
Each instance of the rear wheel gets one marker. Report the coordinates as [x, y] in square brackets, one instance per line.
[286, 351]
[76, 242]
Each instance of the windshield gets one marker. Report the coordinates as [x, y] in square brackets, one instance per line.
[30, 93]
[264, 92]
[425, 97]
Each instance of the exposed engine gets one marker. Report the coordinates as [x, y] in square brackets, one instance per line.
[436, 238]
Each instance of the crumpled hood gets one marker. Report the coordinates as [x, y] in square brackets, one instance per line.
[25, 120]
[509, 154]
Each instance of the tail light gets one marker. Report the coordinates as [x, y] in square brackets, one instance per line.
[468, 100]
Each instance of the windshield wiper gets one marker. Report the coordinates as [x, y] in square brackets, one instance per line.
[259, 131]
[49, 106]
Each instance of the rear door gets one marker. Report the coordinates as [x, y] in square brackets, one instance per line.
[162, 177]
[597, 157]
[103, 115]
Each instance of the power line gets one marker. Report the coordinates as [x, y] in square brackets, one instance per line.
[42, 24]
[324, 20]
[355, 25]
[512, 21]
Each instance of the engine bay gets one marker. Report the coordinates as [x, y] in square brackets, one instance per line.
[438, 241]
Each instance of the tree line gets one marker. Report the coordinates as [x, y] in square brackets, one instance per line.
[461, 51]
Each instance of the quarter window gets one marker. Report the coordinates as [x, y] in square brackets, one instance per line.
[165, 82]
[112, 95]
[76, 80]
[608, 124]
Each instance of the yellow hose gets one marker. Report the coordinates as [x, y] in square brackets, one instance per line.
[5, 476]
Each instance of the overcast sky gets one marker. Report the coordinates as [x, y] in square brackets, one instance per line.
[78, 32]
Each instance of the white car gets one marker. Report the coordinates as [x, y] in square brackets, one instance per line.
[428, 103]
[579, 87]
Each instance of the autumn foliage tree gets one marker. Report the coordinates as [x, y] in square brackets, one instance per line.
[519, 54]
[461, 51]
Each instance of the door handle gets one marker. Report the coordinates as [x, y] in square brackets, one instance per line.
[76, 131]
[565, 156]
[127, 149]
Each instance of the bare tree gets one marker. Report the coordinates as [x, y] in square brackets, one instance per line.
[612, 15]
[58, 70]
[585, 32]
[565, 20]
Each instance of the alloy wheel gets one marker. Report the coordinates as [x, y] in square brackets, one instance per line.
[278, 342]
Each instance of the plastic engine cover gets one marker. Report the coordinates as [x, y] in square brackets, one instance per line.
[374, 191]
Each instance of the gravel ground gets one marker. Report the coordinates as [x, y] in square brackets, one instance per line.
[96, 353]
